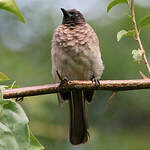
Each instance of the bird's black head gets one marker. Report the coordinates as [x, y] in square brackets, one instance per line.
[72, 17]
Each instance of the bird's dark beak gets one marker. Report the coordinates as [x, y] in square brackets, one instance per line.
[65, 13]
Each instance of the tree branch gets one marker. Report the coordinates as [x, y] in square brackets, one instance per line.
[138, 36]
[112, 85]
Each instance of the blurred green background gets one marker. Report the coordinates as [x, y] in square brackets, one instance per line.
[25, 58]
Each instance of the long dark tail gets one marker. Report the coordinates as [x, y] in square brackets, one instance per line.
[78, 100]
[78, 118]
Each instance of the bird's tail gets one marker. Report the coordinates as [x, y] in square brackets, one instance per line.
[78, 118]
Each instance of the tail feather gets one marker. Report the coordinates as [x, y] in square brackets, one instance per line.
[78, 118]
[89, 95]
[62, 97]
[78, 100]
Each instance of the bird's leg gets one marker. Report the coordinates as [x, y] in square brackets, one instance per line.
[95, 80]
[62, 96]
[62, 80]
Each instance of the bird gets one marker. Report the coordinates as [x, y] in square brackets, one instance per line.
[76, 55]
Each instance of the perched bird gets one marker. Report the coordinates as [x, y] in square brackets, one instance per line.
[76, 56]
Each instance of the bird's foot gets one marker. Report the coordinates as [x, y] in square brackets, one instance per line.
[62, 80]
[19, 99]
[95, 80]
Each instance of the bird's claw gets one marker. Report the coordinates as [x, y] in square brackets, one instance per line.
[19, 99]
[62, 80]
[96, 81]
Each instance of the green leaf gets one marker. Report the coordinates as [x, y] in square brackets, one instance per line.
[124, 33]
[137, 55]
[114, 3]
[14, 131]
[144, 21]
[12, 7]
[3, 77]
[34, 143]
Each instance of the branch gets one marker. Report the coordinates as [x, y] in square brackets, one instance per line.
[138, 36]
[112, 85]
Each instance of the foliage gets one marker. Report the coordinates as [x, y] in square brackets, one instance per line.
[114, 3]
[138, 55]
[12, 7]
[34, 143]
[3, 77]
[124, 33]
[144, 21]
[14, 129]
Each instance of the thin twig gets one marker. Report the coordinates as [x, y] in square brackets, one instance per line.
[112, 85]
[13, 84]
[143, 75]
[138, 35]
[111, 98]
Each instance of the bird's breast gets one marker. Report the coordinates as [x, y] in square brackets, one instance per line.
[72, 37]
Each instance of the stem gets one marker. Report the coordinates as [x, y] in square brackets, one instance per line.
[138, 36]
[111, 98]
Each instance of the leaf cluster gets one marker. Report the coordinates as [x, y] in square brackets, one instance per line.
[136, 54]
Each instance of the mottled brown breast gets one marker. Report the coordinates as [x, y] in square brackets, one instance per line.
[72, 36]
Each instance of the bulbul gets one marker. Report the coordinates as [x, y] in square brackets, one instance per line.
[76, 56]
